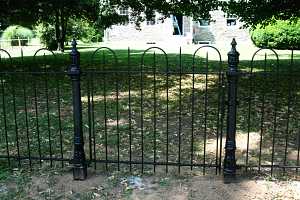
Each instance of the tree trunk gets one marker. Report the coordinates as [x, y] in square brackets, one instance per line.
[63, 31]
[60, 29]
[57, 28]
[60, 43]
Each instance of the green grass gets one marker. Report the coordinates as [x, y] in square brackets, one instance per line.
[265, 90]
[62, 60]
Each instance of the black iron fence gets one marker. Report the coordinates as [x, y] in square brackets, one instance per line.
[152, 114]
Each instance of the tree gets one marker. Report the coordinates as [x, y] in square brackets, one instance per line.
[53, 12]
[59, 13]
[196, 8]
[102, 12]
[254, 12]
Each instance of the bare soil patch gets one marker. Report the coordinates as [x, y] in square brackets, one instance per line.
[60, 185]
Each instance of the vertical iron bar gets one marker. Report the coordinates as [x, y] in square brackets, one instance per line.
[230, 146]
[22, 57]
[218, 120]
[222, 120]
[48, 119]
[79, 162]
[89, 118]
[5, 120]
[37, 121]
[205, 112]
[298, 148]
[142, 115]
[180, 109]
[105, 112]
[154, 111]
[26, 122]
[129, 110]
[59, 120]
[218, 125]
[298, 136]
[287, 124]
[275, 121]
[93, 120]
[16, 123]
[193, 117]
[117, 112]
[262, 116]
[167, 85]
[290, 88]
[250, 92]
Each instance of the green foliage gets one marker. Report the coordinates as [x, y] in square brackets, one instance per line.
[254, 12]
[16, 32]
[282, 34]
[83, 30]
[4, 173]
[46, 33]
[102, 13]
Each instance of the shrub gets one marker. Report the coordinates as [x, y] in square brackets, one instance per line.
[17, 32]
[46, 33]
[84, 31]
[279, 35]
[80, 28]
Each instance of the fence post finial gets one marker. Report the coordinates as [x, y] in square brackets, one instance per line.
[230, 146]
[74, 54]
[79, 161]
[233, 44]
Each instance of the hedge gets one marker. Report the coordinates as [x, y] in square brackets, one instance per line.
[17, 32]
[279, 35]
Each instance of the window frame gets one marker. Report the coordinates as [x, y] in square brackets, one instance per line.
[202, 25]
[151, 21]
[123, 11]
[233, 20]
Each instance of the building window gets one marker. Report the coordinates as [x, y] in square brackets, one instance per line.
[204, 22]
[231, 20]
[125, 13]
[186, 25]
[151, 21]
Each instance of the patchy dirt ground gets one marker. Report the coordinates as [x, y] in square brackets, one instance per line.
[55, 184]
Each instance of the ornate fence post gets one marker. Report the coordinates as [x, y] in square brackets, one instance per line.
[79, 162]
[230, 146]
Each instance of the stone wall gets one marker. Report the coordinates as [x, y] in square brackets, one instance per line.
[216, 33]
[148, 33]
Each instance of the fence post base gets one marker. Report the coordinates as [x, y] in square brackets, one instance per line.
[79, 172]
[229, 161]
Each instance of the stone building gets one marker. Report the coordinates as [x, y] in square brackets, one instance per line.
[180, 30]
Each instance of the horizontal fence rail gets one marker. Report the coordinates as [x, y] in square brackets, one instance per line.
[154, 113]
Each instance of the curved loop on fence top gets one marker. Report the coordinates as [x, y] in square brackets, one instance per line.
[40, 50]
[107, 48]
[208, 46]
[144, 53]
[9, 56]
[261, 49]
[43, 49]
